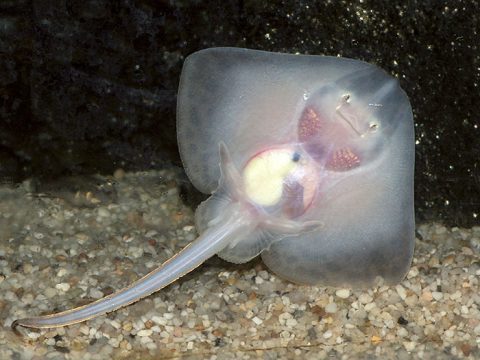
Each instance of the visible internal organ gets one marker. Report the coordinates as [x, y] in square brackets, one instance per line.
[313, 131]
[309, 125]
[342, 160]
[294, 200]
[281, 179]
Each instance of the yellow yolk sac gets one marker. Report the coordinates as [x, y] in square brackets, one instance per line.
[265, 174]
[272, 175]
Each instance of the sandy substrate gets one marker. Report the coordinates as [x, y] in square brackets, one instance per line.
[88, 238]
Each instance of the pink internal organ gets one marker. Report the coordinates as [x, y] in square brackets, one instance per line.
[294, 202]
[342, 160]
[309, 132]
[299, 191]
[309, 125]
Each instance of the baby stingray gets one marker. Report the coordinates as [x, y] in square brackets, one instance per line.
[309, 162]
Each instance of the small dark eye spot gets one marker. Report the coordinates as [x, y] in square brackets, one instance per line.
[296, 156]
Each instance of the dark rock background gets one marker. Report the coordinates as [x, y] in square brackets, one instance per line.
[89, 86]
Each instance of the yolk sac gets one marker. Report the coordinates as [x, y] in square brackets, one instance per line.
[281, 178]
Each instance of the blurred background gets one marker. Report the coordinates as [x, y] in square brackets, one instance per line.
[89, 86]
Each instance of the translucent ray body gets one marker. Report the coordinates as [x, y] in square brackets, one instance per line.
[316, 160]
